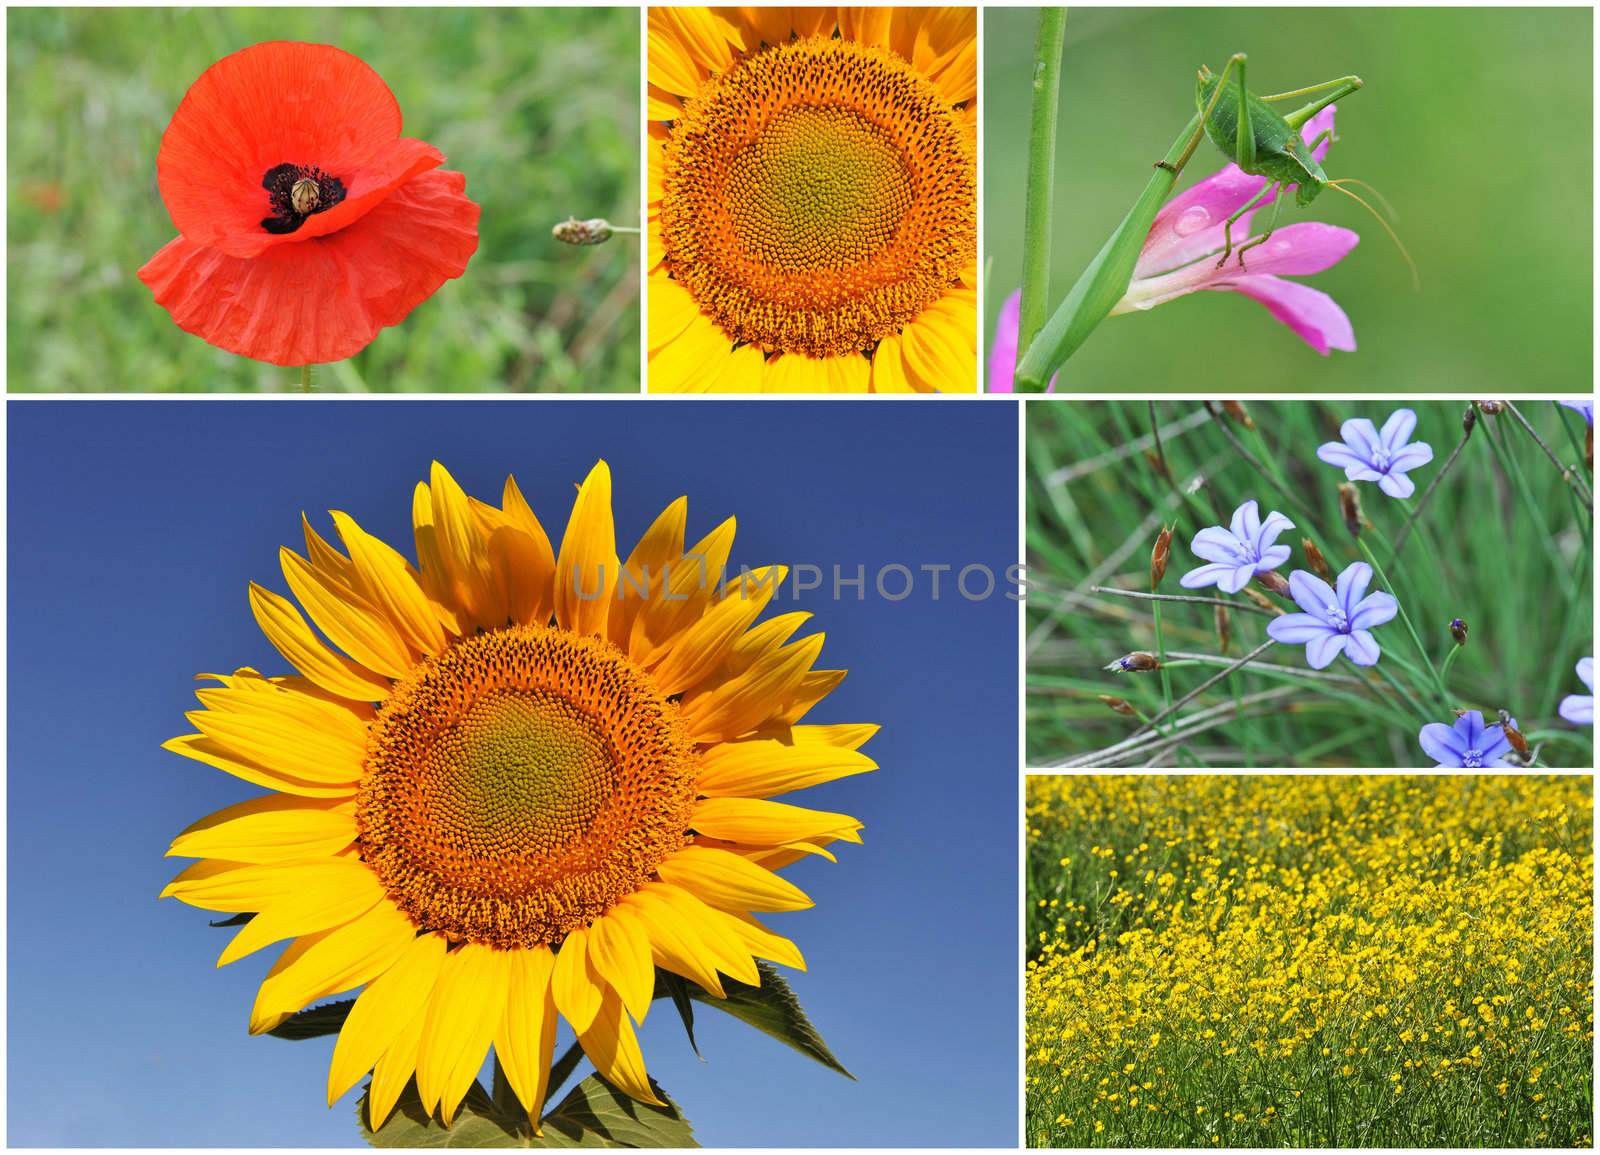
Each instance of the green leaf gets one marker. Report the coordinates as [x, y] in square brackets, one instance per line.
[594, 1114]
[772, 1008]
[231, 920]
[678, 991]
[315, 1022]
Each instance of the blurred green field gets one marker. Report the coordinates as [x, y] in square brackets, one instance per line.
[1503, 543]
[1476, 124]
[539, 107]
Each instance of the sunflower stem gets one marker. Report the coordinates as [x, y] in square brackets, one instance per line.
[1037, 205]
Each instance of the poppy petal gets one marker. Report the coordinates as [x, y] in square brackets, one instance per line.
[326, 299]
[282, 102]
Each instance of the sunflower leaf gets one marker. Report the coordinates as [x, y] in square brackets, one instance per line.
[231, 920]
[678, 991]
[773, 1009]
[594, 1114]
[315, 1022]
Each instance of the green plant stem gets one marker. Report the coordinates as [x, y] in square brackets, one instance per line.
[1161, 656]
[1449, 660]
[1570, 476]
[305, 378]
[1519, 482]
[1405, 618]
[1422, 502]
[1411, 703]
[1140, 595]
[1038, 203]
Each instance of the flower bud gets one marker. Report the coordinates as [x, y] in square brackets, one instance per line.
[1138, 662]
[1239, 413]
[1469, 420]
[1350, 508]
[1117, 704]
[1274, 581]
[1491, 408]
[1588, 450]
[1158, 464]
[1158, 558]
[1261, 600]
[572, 231]
[1458, 631]
[1224, 628]
[1318, 563]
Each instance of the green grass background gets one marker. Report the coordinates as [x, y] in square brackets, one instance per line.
[538, 107]
[1476, 124]
[1508, 552]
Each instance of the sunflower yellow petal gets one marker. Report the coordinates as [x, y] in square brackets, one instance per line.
[758, 822]
[728, 882]
[527, 563]
[348, 620]
[674, 945]
[724, 949]
[744, 371]
[689, 362]
[220, 757]
[670, 66]
[743, 703]
[865, 25]
[679, 598]
[381, 1014]
[321, 898]
[273, 739]
[574, 984]
[463, 551]
[815, 686]
[302, 649]
[613, 1048]
[671, 311]
[277, 828]
[845, 735]
[761, 942]
[619, 951]
[389, 583]
[526, 1040]
[697, 652]
[394, 1067]
[647, 568]
[762, 767]
[586, 568]
[433, 575]
[327, 962]
[888, 368]
[468, 1003]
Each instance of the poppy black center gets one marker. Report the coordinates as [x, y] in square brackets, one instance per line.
[298, 191]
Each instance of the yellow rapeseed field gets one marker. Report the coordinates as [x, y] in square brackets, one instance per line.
[1284, 960]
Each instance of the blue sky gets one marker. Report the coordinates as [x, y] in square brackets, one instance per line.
[134, 528]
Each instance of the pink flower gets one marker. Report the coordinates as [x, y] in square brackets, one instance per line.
[1002, 376]
[1180, 254]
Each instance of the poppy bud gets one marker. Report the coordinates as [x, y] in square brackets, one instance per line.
[1274, 581]
[1158, 558]
[1261, 599]
[1319, 564]
[1458, 631]
[1239, 413]
[572, 231]
[1491, 408]
[1469, 419]
[1350, 508]
[305, 196]
[1224, 628]
[1117, 704]
[1138, 662]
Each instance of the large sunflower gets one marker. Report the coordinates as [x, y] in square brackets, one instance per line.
[530, 779]
[813, 199]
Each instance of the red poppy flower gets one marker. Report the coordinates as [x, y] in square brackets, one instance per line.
[307, 221]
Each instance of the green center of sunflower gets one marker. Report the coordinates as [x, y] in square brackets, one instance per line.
[520, 783]
[817, 197]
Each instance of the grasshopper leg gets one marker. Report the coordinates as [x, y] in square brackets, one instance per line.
[1227, 225]
[1272, 226]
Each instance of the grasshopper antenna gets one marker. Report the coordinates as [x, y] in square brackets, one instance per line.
[1383, 201]
[1416, 277]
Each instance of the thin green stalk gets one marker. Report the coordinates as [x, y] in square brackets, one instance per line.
[1449, 660]
[1519, 482]
[305, 378]
[1100, 286]
[1039, 201]
[1405, 618]
[1394, 684]
[1161, 655]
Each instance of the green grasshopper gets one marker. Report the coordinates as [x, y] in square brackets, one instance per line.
[1247, 130]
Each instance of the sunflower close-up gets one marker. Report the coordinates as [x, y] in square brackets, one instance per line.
[511, 786]
[812, 221]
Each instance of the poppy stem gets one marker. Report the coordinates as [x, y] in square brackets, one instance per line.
[305, 378]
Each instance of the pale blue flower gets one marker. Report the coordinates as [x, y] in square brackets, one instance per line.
[1239, 552]
[1468, 744]
[1579, 708]
[1386, 456]
[1336, 620]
